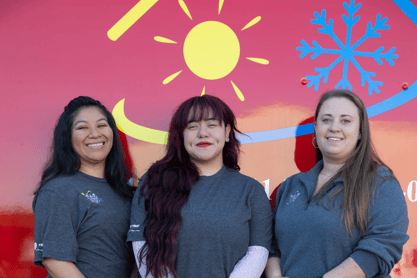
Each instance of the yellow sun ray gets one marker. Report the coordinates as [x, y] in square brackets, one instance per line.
[130, 18]
[163, 40]
[184, 8]
[238, 92]
[135, 130]
[220, 5]
[171, 77]
[258, 60]
[252, 22]
[204, 90]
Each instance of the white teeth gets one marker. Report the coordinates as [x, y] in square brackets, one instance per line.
[334, 139]
[95, 145]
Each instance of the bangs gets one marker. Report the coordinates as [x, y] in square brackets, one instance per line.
[203, 109]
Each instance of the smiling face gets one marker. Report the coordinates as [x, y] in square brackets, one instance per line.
[337, 128]
[204, 141]
[92, 138]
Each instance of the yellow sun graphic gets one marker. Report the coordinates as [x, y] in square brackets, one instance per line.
[211, 51]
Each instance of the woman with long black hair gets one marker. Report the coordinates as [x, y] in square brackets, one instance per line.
[82, 203]
[195, 214]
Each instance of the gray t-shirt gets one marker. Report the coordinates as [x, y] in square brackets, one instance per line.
[80, 218]
[224, 215]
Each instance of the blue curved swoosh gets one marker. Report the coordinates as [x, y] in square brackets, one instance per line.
[289, 132]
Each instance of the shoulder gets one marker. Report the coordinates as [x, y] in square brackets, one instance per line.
[243, 182]
[387, 189]
[60, 184]
[385, 179]
[293, 181]
[241, 178]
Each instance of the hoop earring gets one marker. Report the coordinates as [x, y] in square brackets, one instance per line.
[314, 142]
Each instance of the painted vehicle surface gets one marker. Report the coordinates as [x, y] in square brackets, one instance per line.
[268, 60]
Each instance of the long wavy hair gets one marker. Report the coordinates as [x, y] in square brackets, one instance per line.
[359, 171]
[65, 161]
[169, 181]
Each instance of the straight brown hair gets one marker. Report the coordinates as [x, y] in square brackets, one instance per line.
[359, 171]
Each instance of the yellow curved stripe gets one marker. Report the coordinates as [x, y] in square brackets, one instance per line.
[185, 8]
[252, 22]
[136, 131]
[259, 60]
[204, 91]
[163, 40]
[130, 18]
[238, 92]
[171, 77]
[220, 5]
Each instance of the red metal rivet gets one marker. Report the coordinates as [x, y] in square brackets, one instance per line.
[304, 81]
[405, 85]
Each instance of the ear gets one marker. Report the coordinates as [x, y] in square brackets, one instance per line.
[227, 133]
[360, 136]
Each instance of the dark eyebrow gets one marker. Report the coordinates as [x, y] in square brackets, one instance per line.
[211, 119]
[82, 121]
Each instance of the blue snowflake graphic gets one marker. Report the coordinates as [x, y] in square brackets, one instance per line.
[347, 52]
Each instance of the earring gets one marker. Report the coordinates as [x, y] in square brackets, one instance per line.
[227, 139]
[314, 142]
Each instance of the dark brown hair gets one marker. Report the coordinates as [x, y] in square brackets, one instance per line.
[359, 171]
[169, 180]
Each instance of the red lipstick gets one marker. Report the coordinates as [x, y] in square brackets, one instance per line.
[203, 144]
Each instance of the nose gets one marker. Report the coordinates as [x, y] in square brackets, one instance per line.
[335, 126]
[202, 131]
[94, 132]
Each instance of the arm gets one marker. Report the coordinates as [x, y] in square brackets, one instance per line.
[55, 231]
[252, 264]
[61, 269]
[382, 244]
[273, 268]
[137, 246]
[348, 269]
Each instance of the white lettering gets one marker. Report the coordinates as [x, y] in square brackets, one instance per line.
[266, 182]
[410, 191]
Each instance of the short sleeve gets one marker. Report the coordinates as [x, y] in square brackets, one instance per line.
[55, 231]
[261, 219]
[382, 245]
[137, 215]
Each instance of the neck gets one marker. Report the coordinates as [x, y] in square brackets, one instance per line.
[96, 170]
[330, 167]
[208, 169]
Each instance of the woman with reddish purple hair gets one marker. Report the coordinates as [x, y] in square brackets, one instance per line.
[195, 215]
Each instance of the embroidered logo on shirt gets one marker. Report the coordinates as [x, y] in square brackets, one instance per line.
[294, 197]
[92, 197]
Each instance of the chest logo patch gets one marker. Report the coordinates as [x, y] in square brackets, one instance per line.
[293, 197]
[92, 197]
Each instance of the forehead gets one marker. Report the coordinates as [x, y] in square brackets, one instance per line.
[339, 106]
[91, 113]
